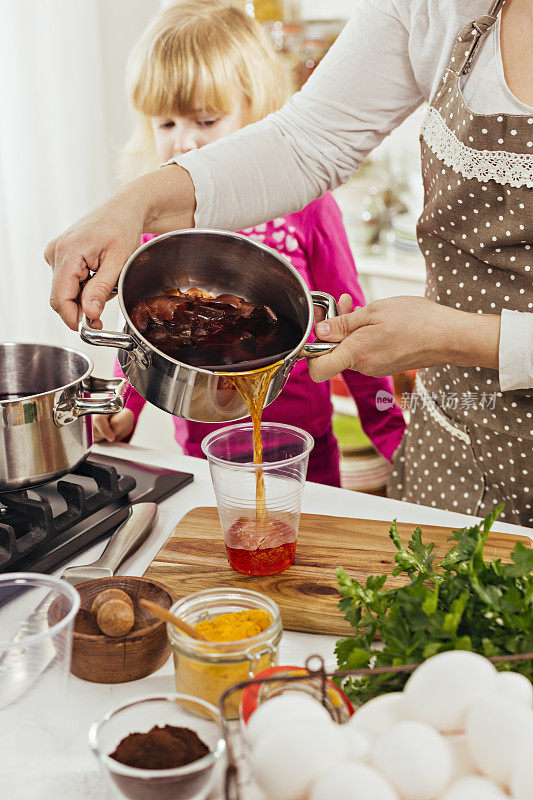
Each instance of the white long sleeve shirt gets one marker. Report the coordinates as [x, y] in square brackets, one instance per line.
[387, 61]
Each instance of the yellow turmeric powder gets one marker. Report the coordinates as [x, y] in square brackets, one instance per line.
[235, 625]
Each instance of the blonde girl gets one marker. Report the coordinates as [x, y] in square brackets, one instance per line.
[202, 70]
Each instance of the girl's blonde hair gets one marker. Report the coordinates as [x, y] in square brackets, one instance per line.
[199, 51]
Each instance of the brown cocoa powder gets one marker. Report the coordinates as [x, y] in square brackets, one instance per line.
[160, 748]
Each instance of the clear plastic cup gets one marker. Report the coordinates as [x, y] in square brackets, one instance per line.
[35, 723]
[259, 541]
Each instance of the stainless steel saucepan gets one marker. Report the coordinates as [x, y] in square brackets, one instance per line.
[45, 397]
[219, 262]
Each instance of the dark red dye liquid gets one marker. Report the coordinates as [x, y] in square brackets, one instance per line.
[260, 548]
[215, 333]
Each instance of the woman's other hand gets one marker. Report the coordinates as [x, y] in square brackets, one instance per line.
[399, 333]
[113, 427]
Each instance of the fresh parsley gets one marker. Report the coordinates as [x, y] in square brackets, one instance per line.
[461, 603]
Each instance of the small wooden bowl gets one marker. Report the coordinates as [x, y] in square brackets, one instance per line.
[103, 659]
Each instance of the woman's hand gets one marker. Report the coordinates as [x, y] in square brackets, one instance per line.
[102, 241]
[399, 333]
[113, 427]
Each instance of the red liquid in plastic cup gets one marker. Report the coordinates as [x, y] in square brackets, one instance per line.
[260, 548]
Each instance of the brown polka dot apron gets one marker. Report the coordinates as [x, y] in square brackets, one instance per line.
[468, 445]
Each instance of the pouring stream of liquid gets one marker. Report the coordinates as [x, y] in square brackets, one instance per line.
[253, 388]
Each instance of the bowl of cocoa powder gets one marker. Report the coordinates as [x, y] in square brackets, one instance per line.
[165, 747]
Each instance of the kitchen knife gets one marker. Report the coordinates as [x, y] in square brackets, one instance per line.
[123, 543]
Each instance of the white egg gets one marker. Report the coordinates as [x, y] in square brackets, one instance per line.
[463, 763]
[274, 713]
[358, 742]
[521, 780]
[286, 761]
[415, 758]
[353, 781]
[499, 732]
[440, 690]
[516, 687]
[379, 714]
[474, 787]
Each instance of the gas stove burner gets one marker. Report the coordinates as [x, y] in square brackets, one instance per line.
[46, 525]
[27, 517]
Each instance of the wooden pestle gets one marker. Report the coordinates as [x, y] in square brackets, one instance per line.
[114, 612]
[166, 616]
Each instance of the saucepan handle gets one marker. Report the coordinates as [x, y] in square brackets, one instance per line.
[70, 408]
[328, 303]
[105, 338]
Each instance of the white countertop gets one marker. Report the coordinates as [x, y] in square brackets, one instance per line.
[75, 775]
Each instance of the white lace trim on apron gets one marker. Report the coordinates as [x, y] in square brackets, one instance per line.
[436, 414]
[505, 168]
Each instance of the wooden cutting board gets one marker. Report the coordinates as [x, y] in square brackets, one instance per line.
[194, 558]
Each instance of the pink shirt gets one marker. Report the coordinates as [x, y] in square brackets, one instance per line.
[315, 242]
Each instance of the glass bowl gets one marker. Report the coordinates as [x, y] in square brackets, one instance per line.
[191, 782]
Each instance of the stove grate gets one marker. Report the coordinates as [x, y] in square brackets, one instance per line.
[27, 521]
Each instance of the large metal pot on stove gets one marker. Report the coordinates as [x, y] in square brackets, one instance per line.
[45, 397]
[219, 262]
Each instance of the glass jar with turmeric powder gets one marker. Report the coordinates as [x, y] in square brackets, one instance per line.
[243, 630]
